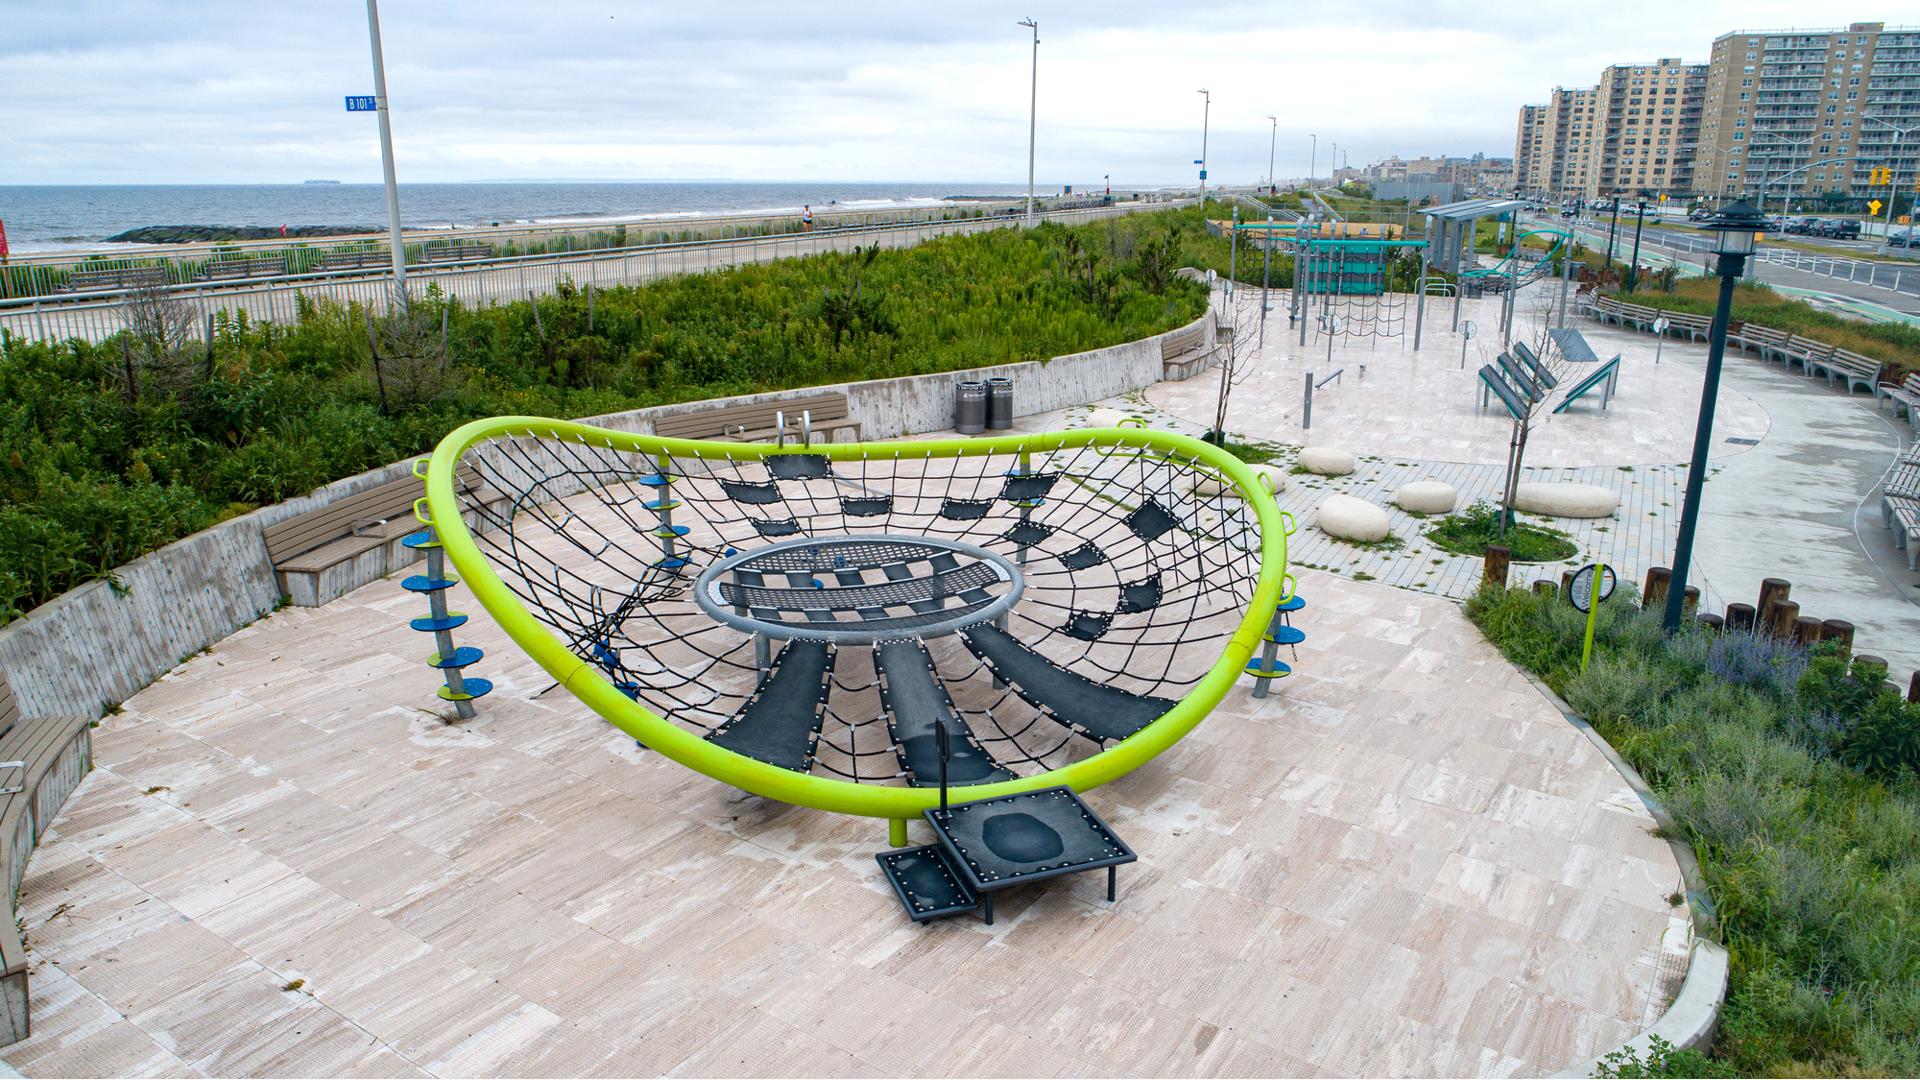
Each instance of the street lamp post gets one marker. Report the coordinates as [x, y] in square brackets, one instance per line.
[1033, 111]
[1313, 160]
[1206, 115]
[1612, 227]
[1639, 220]
[1737, 227]
[1893, 182]
[386, 154]
[1273, 140]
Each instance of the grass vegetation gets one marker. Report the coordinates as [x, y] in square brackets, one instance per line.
[1894, 343]
[1469, 531]
[1794, 780]
[113, 449]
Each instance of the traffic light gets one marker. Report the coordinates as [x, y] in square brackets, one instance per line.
[1880, 174]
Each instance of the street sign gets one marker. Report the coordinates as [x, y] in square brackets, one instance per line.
[1591, 584]
[1873, 206]
[1203, 174]
[362, 103]
[1663, 196]
[3, 239]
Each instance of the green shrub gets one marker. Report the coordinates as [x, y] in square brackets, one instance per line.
[1793, 778]
[1470, 531]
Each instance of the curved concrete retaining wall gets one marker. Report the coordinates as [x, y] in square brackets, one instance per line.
[98, 644]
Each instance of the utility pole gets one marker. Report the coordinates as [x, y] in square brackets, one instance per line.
[1033, 112]
[1313, 160]
[1273, 140]
[1206, 115]
[1893, 180]
[386, 153]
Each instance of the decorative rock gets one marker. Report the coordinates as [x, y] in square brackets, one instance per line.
[1348, 518]
[1565, 500]
[1273, 476]
[1427, 497]
[1104, 417]
[1327, 461]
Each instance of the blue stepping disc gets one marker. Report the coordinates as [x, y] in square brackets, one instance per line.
[476, 688]
[1257, 667]
[1292, 603]
[422, 539]
[429, 624]
[670, 531]
[657, 505]
[674, 563]
[462, 657]
[1287, 635]
[657, 480]
[423, 583]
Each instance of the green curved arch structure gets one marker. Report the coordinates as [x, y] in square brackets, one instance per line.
[1508, 267]
[443, 510]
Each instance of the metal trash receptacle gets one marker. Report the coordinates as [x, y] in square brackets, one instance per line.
[999, 404]
[970, 408]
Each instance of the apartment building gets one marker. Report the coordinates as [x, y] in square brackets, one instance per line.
[1532, 149]
[1576, 134]
[1772, 113]
[1649, 128]
[1802, 113]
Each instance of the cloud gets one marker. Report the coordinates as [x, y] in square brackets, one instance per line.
[230, 92]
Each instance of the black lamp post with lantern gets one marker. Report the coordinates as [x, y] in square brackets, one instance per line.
[1735, 228]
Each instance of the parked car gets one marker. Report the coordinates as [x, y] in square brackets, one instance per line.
[1898, 239]
[1801, 226]
[1699, 213]
[1841, 229]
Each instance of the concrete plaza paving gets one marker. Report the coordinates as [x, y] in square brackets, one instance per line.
[1405, 862]
[1794, 467]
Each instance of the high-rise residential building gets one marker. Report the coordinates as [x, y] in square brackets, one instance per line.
[1648, 117]
[1532, 149]
[1576, 132]
[1800, 113]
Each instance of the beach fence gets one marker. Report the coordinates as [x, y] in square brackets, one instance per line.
[474, 282]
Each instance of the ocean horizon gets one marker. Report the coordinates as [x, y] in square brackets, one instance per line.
[57, 217]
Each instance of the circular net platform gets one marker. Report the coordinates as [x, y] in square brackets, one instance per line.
[797, 621]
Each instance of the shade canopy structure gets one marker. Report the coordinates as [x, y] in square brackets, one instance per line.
[797, 621]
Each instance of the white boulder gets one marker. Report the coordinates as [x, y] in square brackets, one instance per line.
[1326, 461]
[1347, 518]
[1427, 497]
[1565, 499]
[1104, 417]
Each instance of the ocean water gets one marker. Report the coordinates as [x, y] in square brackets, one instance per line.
[43, 218]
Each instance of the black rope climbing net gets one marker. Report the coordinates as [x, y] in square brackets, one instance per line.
[1137, 564]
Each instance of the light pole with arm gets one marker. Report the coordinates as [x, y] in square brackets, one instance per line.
[1893, 180]
[1033, 111]
[1737, 226]
[386, 154]
[1785, 196]
[1313, 160]
[1206, 115]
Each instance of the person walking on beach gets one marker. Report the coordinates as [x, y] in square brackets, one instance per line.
[806, 218]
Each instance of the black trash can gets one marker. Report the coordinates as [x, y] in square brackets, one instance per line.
[970, 408]
[1000, 404]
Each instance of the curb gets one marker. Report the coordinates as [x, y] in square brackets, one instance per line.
[1694, 1013]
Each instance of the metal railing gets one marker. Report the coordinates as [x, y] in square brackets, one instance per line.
[97, 317]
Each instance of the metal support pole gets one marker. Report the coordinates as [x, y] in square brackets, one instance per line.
[1420, 303]
[1566, 279]
[1730, 268]
[386, 153]
[1633, 272]
[1266, 280]
[1306, 403]
[1206, 116]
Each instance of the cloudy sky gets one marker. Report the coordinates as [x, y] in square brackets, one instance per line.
[206, 92]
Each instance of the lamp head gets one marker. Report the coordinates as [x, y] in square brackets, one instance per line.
[1736, 227]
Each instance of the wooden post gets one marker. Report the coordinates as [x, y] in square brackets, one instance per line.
[1566, 579]
[1780, 625]
[1655, 593]
[1806, 630]
[1838, 630]
[1712, 623]
[1772, 591]
[1863, 662]
[1543, 587]
[1740, 618]
[1496, 565]
[1913, 687]
[1689, 599]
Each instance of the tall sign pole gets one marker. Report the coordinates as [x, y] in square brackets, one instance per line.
[1206, 116]
[386, 153]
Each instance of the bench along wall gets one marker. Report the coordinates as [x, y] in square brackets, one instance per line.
[99, 644]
